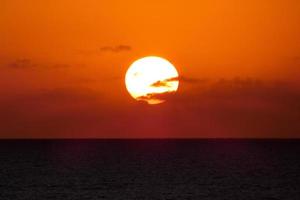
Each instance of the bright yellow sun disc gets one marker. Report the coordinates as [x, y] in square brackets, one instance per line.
[150, 78]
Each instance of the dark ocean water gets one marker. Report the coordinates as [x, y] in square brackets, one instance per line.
[149, 169]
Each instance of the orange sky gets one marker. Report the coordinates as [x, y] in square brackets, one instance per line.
[55, 51]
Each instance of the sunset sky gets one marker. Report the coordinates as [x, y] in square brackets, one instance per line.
[63, 64]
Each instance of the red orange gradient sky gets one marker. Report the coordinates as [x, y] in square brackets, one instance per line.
[63, 62]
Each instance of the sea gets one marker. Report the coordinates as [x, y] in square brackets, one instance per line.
[154, 169]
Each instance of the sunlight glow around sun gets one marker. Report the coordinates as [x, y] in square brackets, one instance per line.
[150, 78]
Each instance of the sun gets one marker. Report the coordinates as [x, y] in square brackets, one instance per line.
[151, 79]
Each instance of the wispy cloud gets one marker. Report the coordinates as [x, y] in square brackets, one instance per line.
[116, 49]
[164, 83]
[28, 64]
[191, 80]
[183, 79]
[159, 96]
[105, 49]
[160, 84]
[21, 64]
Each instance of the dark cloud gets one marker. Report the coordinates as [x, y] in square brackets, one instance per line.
[21, 64]
[30, 64]
[116, 49]
[156, 96]
[182, 79]
[160, 84]
[164, 83]
[103, 49]
[172, 79]
[191, 80]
